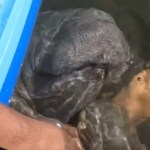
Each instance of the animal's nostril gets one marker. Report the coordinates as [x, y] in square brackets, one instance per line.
[139, 78]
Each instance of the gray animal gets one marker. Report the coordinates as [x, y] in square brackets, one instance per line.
[72, 54]
[104, 126]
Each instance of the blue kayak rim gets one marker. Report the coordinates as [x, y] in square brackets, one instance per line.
[12, 67]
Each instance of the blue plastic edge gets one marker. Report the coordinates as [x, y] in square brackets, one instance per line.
[5, 13]
[15, 67]
[11, 35]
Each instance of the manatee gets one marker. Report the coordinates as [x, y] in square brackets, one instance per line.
[70, 56]
[75, 55]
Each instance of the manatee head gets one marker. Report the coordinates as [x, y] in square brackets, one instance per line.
[71, 54]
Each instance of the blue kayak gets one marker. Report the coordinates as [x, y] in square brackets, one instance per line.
[17, 19]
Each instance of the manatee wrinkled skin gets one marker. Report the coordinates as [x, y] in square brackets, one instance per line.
[104, 126]
[71, 54]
